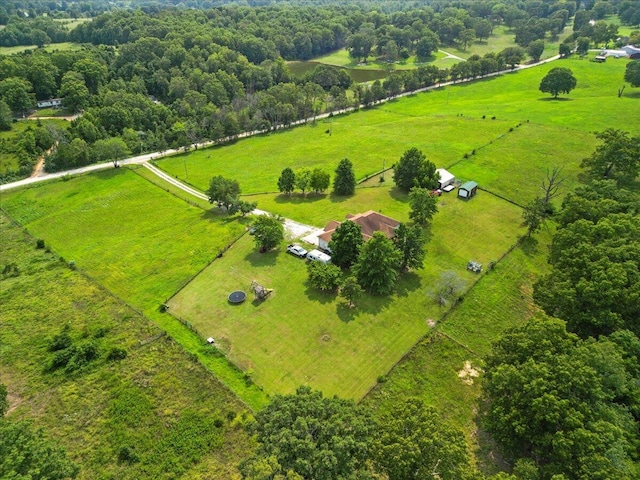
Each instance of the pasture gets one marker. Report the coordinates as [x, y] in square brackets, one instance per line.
[157, 403]
[501, 299]
[302, 336]
[134, 238]
[445, 124]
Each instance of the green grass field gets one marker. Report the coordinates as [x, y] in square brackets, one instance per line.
[157, 401]
[501, 299]
[52, 47]
[300, 336]
[558, 132]
[72, 23]
[367, 138]
[135, 239]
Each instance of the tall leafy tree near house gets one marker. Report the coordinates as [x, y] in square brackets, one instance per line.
[410, 243]
[345, 244]
[423, 206]
[414, 170]
[344, 182]
[377, 266]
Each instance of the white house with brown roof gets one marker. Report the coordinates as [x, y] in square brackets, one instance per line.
[369, 222]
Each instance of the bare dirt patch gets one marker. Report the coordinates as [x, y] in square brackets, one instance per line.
[468, 373]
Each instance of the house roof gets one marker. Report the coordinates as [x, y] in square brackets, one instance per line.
[470, 185]
[369, 222]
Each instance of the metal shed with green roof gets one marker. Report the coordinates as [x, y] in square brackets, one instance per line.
[467, 190]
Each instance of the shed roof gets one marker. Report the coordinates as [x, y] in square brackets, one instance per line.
[470, 185]
[445, 176]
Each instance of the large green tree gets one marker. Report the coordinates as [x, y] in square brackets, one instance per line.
[324, 276]
[377, 265]
[319, 181]
[632, 74]
[345, 244]
[112, 149]
[26, 454]
[594, 285]
[617, 157]
[558, 80]
[5, 116]
[415, 443]
[410, 243]
[312, 436]
[223, 191]
[558, 400]
[423, 205]
[414, 170]
[287, 181]
[16, 92]
[344, 182]
[74, 92]
[268, 232]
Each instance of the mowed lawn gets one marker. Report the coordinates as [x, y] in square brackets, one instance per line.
[300, 336]
[130, 235]
[445, 124]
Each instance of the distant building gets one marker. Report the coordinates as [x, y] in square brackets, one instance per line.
[630, 49]
[369, 222]
[52, 102]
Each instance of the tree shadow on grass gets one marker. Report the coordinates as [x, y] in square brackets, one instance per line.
[266, 259]
[529, 246]
[315, 295]
[407, 283]
[333, 198]
[110, 173]
[632, 94]
[345, 312]
[297, 199]
[559, 99]
[398, 195]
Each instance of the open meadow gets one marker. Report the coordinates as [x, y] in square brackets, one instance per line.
[445, 124]
[301, 336]
[134, 238]
[156, 413]
[436, 369]
[52, 47]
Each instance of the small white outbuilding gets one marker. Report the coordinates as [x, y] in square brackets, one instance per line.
[446, 178]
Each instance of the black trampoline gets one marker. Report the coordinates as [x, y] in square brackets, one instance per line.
[237, 297]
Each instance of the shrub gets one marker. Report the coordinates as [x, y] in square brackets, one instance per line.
[40, 243]
[127, 455]
[218, 423]
[61, 341]
[116, 353]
